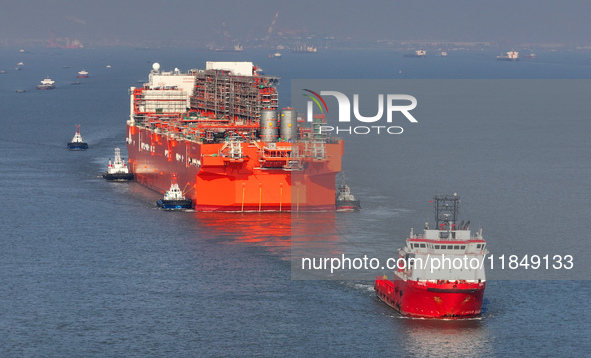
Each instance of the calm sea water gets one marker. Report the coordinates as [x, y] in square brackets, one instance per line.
[91, 268]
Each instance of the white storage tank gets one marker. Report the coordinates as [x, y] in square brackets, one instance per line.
[288, 125]
[268, 125]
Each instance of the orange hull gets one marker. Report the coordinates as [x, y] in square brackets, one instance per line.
[219, 183]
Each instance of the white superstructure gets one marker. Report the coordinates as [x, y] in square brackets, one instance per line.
[117, 166]
[447, 252]
[77, 137]
[509, 56]
[174, 193]
[237, 68]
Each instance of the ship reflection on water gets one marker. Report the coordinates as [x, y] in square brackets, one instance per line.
[265, 229]
[445, 338]
[277, 231]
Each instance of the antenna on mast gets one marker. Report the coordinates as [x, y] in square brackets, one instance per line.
[447, 208]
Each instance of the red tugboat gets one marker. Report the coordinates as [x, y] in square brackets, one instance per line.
[439, 274]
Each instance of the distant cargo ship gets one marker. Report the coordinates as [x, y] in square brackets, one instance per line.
[46, 84]
[220, 130]
[509, 56]
[82, 74]
[417, 54]
[305, 49]
[235, 48]
[64, 42]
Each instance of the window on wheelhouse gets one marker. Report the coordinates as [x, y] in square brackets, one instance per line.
[409, 262]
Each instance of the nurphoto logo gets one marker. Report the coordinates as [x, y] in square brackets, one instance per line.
[344, 108]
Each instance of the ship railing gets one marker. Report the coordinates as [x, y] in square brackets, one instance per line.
[315, 149]
[273, 159]
[235, 149]
[447, 238]
[293, 165]
[332, 140]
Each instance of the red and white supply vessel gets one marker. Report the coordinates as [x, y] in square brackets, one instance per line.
[440, 273]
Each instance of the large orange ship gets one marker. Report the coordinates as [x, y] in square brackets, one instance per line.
[221, 132]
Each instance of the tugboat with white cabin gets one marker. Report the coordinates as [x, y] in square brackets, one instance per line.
[77, 142]
[174, 199]
[118, 170]
[345, 201]
[440, 273]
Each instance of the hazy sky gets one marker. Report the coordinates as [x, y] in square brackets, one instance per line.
[128, 21]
